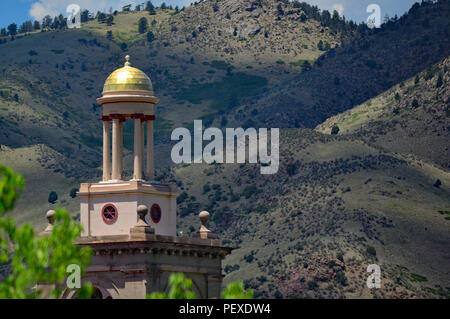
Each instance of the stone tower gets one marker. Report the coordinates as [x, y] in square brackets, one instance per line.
[131, 224]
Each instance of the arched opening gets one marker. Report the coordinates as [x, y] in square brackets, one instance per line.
[96, 294]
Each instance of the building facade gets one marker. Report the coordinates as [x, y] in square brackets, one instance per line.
[131, 224]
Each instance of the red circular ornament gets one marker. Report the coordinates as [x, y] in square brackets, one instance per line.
[109, 213]
[155, 213]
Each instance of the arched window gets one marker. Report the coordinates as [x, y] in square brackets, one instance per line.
[109, 213]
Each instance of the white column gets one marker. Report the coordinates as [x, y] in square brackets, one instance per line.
[150, 168]
[137, 149]
[106, 150]
[142, 148]
[115, 149]
[120, 149]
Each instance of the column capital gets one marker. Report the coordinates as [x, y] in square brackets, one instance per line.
[117, 117]
[148, 118]
[137, 116]
[105, 118]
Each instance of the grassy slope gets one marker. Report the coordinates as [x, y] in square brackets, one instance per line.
[41, 177]
[394, 122]
[345, 196]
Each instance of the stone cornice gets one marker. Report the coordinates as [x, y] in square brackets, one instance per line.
[155, 245]
[128, 187]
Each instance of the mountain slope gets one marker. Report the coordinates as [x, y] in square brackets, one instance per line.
[410, 118]
[364, 66]
[50, 80]
[332, 196]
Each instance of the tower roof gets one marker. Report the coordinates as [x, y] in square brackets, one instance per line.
[128, 79]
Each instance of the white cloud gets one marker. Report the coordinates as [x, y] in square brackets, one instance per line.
[339, 7]
[41, 8]
[38, 11]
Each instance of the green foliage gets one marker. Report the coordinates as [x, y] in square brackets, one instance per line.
[439, 81]
[52, 197]
[337, 80]
[36, 259]
[224, 94]
[249, 191]
[206, 188]
[180, 288]
[150, 36]
[182, 197]
[150, 8]
[235, 290]
[73, 192]
[292, 168]
[323, 46]
[143, 25]
[341, 278]
[371, 250]
[109, 20]
[418, 278]
[221, 65]
[10, 184]
[335, 130]
[312, 285]
[416, 79]
[249, 258]
[438, 183]
[305, 64]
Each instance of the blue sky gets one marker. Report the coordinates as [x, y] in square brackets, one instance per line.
[20, 10]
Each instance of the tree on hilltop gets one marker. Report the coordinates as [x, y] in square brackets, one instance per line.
[150, 8]
[12, 29]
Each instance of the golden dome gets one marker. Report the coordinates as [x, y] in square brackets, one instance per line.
[128, 79]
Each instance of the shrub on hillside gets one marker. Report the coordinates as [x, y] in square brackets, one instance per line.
[335, 130]
[371, 250]
[52, 197]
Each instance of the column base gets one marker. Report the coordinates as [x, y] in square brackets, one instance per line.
[111, 181]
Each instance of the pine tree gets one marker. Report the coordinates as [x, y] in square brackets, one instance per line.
[36, 25]
[150, 36]
[143, 25]
[109, 20]
[439, 81]
[150, 8]
[12, 29]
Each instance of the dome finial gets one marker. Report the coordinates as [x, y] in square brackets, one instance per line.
[127, 58]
